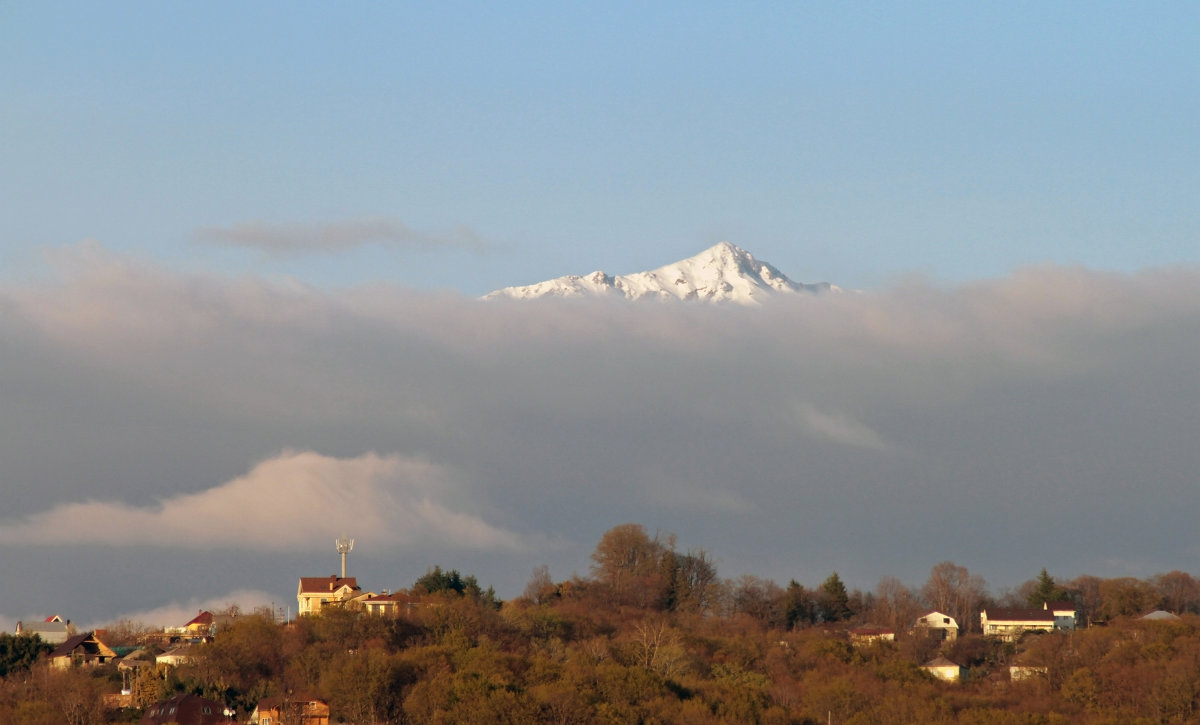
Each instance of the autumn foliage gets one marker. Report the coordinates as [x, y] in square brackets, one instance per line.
[653, 636]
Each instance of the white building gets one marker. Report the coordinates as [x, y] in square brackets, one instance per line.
[940, 626]
[1010, 623]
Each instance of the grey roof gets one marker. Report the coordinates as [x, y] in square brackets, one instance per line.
[1160, 616]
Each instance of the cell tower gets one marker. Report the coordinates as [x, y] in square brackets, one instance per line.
[344, 546]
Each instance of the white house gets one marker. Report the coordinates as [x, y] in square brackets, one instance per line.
[176, 656]
[54, 630]
[871, 635]
[1064, 614]
[940, 626]
[1009, 623]
[944, 669]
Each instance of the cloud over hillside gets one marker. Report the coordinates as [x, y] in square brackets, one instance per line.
[1046, 418]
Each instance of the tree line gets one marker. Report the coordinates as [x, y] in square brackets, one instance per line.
[653, 634]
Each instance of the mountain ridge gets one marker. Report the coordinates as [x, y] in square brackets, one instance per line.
[721, 273]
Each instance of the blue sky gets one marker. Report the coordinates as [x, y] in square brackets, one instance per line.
[855, 143]
[239, 245]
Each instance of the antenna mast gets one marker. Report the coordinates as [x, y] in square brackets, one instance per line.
[344, 546]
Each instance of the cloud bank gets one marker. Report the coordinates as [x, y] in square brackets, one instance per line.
[177, 614]
[1044, 419]
[336, 236]
[297, 500]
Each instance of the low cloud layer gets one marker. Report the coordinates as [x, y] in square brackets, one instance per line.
[297, 500]
[177, 614]
[1043, 419]
[335, 236]
[841, 429]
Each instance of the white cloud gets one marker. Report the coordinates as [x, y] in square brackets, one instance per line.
[840, 428]
[176, 614]
[335, 236]
[126, 385]
[297, 500]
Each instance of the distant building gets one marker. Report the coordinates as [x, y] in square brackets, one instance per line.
[200, 628]
[295, 709]
[1065, 614]
[186, 710]
[54, 630]
[1159, 615]
[82, 649]
[944, 669]
[940, 626]
[393, 604]
[316, 593]
[1009, 623]
[871, 635]
[176, 656]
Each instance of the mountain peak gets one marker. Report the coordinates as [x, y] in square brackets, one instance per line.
[721, 273]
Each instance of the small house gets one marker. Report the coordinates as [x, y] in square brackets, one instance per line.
[941, 627]
[946, 670]
[82, 649]
[295, 709]
[870, 635]
[186, 710]
[54, 630]
[176, 656]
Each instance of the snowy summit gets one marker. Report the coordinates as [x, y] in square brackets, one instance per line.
[724, 273]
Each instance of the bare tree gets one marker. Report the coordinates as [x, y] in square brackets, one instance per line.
[540, 588]
[895, 605]
[1180, 592]
[954, 590]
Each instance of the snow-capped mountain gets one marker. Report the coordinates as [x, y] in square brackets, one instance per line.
[724, 273]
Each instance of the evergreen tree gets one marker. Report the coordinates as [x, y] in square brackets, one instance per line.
[1046, 590]
[835, 601]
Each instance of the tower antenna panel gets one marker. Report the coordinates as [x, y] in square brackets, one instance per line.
[344, 546]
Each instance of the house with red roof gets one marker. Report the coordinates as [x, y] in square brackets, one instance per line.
[54, 630]
[292, 708]
[201, 624]
[316, 593]
[1009, 623]
[392, 604]
[186, 710]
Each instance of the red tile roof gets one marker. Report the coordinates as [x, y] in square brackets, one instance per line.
[315, 584]
[1017, 614]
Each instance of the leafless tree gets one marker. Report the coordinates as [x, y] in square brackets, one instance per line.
[954, 590]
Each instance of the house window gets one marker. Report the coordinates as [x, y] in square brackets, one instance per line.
[945, 620]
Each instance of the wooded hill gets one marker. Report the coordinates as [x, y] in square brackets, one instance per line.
[653, 635]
